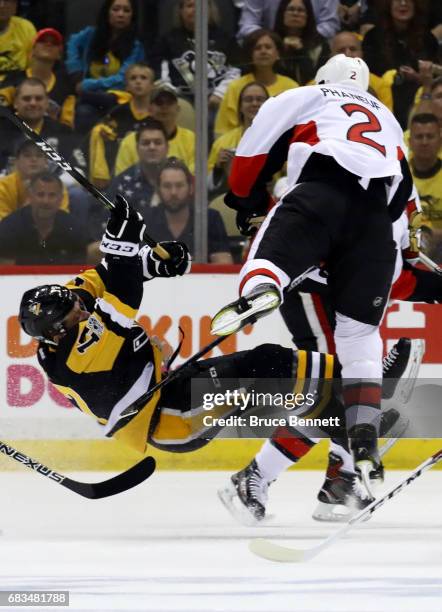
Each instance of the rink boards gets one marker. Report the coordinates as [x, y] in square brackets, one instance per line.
[36, 419]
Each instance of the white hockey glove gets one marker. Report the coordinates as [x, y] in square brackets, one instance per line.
[124, 230]
[179, 263]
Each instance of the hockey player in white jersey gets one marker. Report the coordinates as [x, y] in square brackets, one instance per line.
[348, 180]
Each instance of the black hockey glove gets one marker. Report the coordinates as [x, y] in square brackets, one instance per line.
[178, 264]
[249, 209]
[124, 230]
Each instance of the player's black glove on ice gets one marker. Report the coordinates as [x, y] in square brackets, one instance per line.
[124, 230]
[178, 264]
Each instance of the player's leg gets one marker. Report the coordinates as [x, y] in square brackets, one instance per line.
[296, 235]
[360, 281]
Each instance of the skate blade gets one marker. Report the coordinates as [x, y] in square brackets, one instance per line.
[230, 500]
[333, 513]
[228, 321]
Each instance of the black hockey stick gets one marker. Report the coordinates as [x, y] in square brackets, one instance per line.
[131, 411]
[64, 165]
[285, 554]
[132, 477]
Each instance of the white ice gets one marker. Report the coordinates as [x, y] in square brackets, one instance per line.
[169, 545]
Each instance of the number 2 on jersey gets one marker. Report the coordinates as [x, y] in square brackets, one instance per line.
[357, 131]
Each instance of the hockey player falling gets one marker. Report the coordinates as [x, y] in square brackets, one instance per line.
[348, 181]
[96, 354]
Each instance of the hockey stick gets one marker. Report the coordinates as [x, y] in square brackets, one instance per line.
[132, 477]
[54, 156]
[284, 554]
[432, 265]
[132, 410]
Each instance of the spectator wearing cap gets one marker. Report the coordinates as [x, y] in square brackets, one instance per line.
[122, 118]
[173, 219]
[98, 56]
[31, 103]
[16, 36]
[164, 106]
[41, 233]
[30, 160]
[45, 64]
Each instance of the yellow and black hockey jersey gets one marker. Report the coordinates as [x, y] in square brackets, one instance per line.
[105, 363]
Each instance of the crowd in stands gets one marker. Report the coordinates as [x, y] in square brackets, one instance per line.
[110, 84]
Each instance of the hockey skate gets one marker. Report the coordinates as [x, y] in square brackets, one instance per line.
[400, 369]
[341, 494]
[364, 448]
[245, 497]
[248, 309]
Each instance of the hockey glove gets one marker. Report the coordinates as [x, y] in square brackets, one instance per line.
[124, 230]
[178, 264]
[250, 209]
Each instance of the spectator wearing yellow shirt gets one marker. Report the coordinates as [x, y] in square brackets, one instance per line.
[16, 37]
[426, 168]
[30, 161]
[165, 108]
[122, 118]
[251, 98]
[262, 49]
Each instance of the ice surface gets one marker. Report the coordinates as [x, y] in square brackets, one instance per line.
[169, 545]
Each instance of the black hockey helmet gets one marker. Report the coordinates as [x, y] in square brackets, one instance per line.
[43, 309]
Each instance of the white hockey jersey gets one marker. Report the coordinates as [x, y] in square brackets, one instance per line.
[343, 122]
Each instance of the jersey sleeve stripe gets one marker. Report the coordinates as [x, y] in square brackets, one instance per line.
[244, 173]
[112, 307]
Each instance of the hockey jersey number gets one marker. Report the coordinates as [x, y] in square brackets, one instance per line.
[357, 131]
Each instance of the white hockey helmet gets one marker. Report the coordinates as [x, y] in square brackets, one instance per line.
[342, 69]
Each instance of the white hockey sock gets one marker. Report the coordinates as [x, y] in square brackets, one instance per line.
[271, 461]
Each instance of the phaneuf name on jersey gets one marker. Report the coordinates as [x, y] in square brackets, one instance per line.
[339, 93]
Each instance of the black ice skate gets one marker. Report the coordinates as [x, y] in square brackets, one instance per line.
[341, 494]
[400, 369]
[248, 309]
[245, 497]
[364, 448]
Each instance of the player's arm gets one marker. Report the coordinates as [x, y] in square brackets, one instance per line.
[261, 153]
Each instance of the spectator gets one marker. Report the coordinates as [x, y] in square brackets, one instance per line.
[262, 13]
[16, 36]
[262, 49]
[173, 56]
[164, 107]
[138, 182]
[122, 119]
[426, 168]
[30, 160]
[431, 98]
[350, 45]
[349, 12]
[98, 56]
[392, 50]
[251, 98]
[304, 49]
[41, 233]
[31, 103]
[173, 219]
[44, 64]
